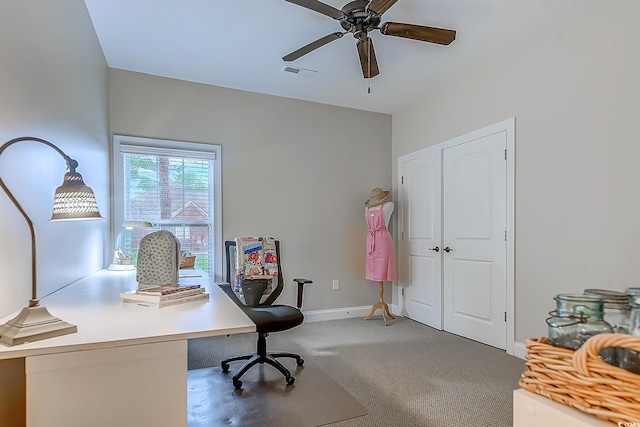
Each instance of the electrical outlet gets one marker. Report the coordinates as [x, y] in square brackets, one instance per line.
[336, 284]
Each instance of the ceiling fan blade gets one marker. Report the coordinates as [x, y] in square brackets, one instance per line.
[418, 32]
[380, 6]
[319, 7]
[312, 46]
[367, 58]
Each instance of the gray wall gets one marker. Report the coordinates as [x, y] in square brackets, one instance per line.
[295, 170]
[54, 86]
[574, 92]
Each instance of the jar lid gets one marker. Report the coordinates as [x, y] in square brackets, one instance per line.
[617, 305]
[609, 296]
[579, 297]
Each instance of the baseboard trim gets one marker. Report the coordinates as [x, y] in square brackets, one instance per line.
[336, 313]
[520, 350]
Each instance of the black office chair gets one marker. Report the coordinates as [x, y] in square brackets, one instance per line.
[267, 316]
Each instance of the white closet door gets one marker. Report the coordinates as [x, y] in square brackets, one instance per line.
[474, 239]
[421, 267]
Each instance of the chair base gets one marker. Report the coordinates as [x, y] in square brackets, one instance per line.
[261, 357]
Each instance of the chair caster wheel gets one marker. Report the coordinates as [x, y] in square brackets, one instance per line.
[291, 380]
[225, 367]
[237, 384]
[300, 361]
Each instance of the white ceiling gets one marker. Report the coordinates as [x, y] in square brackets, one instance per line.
[239, 44]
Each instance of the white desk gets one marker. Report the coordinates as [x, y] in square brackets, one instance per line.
[127, 364]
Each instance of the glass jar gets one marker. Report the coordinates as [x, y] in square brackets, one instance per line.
[616, 313]
[630, 359]
[576, 319]
[634, 319]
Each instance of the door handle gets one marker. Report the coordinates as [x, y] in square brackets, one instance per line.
[447, 249]
[436, 249]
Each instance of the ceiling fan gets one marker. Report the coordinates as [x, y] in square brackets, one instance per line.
[359, 18]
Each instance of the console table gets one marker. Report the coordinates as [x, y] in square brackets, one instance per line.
[126, 365]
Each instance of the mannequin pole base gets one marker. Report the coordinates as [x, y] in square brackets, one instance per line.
[382, 306]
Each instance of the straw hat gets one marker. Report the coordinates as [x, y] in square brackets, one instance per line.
[377, 196]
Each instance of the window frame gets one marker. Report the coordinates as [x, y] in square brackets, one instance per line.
[157, 146]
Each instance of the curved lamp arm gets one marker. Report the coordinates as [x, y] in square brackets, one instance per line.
[71, 165]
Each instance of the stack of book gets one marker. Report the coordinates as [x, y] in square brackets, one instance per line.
[165, 296]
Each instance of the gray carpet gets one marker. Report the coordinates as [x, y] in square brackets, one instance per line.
[406, 374]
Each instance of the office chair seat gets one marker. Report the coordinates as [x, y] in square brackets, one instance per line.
[275, 318]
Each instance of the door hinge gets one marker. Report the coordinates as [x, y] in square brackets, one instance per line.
[505, 316]
[402, 290]
[402, 180]
[505, 154]
[505, 235]
[402, 236]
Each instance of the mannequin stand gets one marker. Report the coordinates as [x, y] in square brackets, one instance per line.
[382, 306]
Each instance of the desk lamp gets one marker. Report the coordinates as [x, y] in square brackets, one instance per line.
[73, 200]
[122, 260]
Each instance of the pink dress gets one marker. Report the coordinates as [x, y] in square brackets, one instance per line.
[381, 260]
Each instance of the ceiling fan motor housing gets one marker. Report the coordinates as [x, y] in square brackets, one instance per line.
[358, 20]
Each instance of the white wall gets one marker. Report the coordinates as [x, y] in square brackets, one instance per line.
[53, 77]
[574, 92]
[295, 170]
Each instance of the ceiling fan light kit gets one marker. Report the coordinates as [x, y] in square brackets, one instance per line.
[360, 17]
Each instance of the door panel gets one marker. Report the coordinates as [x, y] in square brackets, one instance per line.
[421, 274]
[423, 268]
[474, 228]
[471, 211]
[472, 301]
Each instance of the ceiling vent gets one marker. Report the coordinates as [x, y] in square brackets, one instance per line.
[299, 71]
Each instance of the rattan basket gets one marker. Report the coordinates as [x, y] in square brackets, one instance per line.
[188, 261]
[582, 380]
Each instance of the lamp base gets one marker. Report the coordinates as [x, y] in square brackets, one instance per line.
[34, 324]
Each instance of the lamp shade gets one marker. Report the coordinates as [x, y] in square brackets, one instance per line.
[73, 200]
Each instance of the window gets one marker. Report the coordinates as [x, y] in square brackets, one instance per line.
[176, 186]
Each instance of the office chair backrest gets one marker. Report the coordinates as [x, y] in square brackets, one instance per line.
[231, 249]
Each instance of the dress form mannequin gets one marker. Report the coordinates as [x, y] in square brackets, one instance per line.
[387, 207]
[380, 248]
